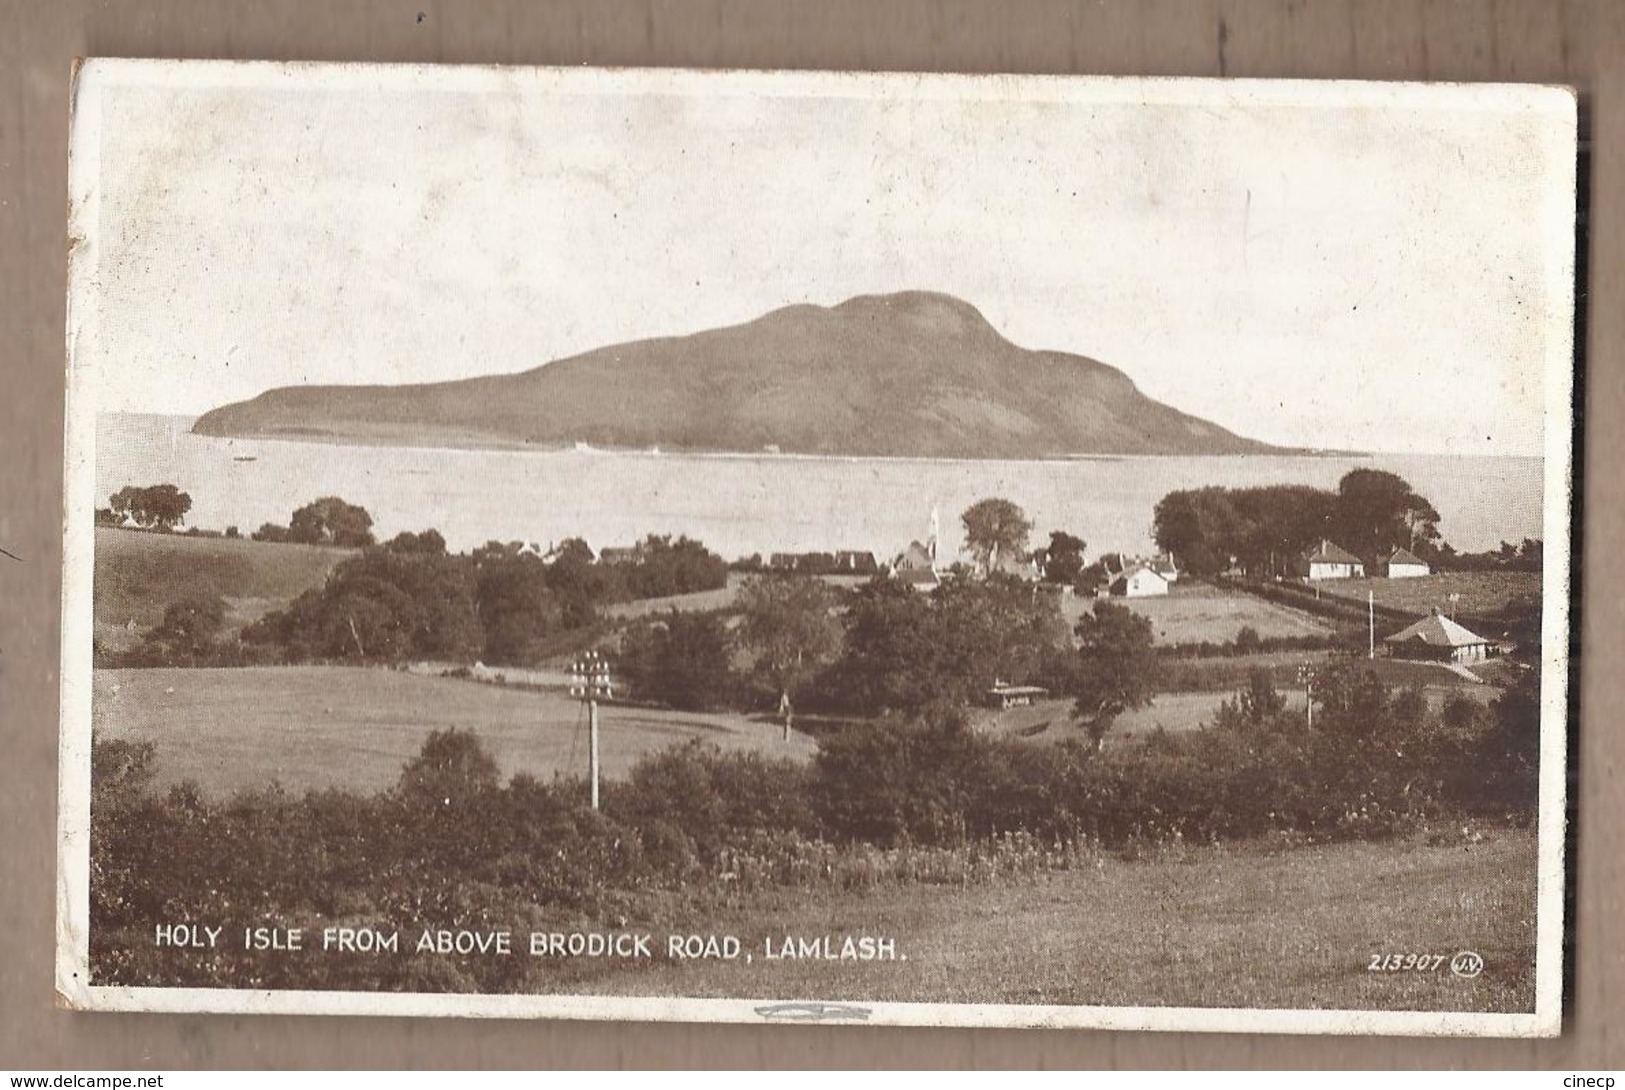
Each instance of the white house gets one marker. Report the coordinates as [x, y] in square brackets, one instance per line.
[1138, 581]
[1165, 567]
[1438, 638]
[1404, 564]
[1330, 561]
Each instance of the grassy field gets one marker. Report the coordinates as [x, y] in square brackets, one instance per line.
[139, 574]
[1227, 673]
[333, 726]
[1201, 927]
[700, 601]
[1198, 612]
[1481, 592]
[1051, 720]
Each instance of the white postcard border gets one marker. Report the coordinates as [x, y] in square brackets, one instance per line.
[73, 900]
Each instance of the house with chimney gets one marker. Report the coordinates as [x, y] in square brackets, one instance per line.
[1138, 580]
[1330, 561]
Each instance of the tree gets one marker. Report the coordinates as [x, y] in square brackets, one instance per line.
[451, 769]
[1063, 559]
[1199, 527]
[331, 521]
[891, 654]
[790, 630]
[1116, 667]
[191, 625]
[994, 526]
[682, 660]
[992, 630]
[1377, 511]
[157, 507]
[662, 567]
[580, 583]
[516, 608]
[429, 541]
[381, 606]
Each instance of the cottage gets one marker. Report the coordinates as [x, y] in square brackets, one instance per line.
[1005, 696]
[1138, 581]
[1330, 561]
[1404, 564]
[917, 567]
[1165, 567]
[1437, 638]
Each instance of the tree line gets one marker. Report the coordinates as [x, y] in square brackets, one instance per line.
[409, 598]
[1265, 530]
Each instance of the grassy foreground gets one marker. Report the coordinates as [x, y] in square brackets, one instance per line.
[1205, 927]
[315, 727]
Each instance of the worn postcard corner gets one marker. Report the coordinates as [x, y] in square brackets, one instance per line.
[817, 548]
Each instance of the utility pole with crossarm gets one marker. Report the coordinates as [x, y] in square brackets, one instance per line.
[589, 681]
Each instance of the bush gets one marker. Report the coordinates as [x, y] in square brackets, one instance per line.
[681, 660]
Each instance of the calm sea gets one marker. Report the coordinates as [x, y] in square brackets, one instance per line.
[746, 504]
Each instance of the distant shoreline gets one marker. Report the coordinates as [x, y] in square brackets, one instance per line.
[495, 445]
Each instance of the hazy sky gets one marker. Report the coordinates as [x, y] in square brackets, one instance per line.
[1384, 274]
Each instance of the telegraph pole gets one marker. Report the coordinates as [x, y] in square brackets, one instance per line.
[1371, 624]
[1306, 678]
[589, 680]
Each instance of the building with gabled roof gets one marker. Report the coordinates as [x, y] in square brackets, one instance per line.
[1404, 564]
[1439, 639]
[917, 567]
[1331, 561]
[1138, 581]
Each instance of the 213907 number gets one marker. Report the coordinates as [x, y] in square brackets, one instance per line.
[1405, 963]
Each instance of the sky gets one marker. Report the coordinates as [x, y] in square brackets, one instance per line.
[1335, 266]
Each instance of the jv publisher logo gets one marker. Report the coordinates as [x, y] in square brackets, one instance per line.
[1467, 964]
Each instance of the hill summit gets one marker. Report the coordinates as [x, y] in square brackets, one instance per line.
[911, 374]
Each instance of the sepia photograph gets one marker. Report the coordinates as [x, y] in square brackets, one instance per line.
[875, 548]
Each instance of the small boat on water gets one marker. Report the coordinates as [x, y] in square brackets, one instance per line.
[246, 458]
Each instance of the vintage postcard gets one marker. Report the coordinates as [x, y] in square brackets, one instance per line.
[817, 547]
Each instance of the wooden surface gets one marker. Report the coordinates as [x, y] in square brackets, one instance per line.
[1578, 42]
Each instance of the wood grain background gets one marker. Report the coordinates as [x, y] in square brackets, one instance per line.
[1581, 42]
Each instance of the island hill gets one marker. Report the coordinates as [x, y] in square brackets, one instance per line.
[912, 374]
